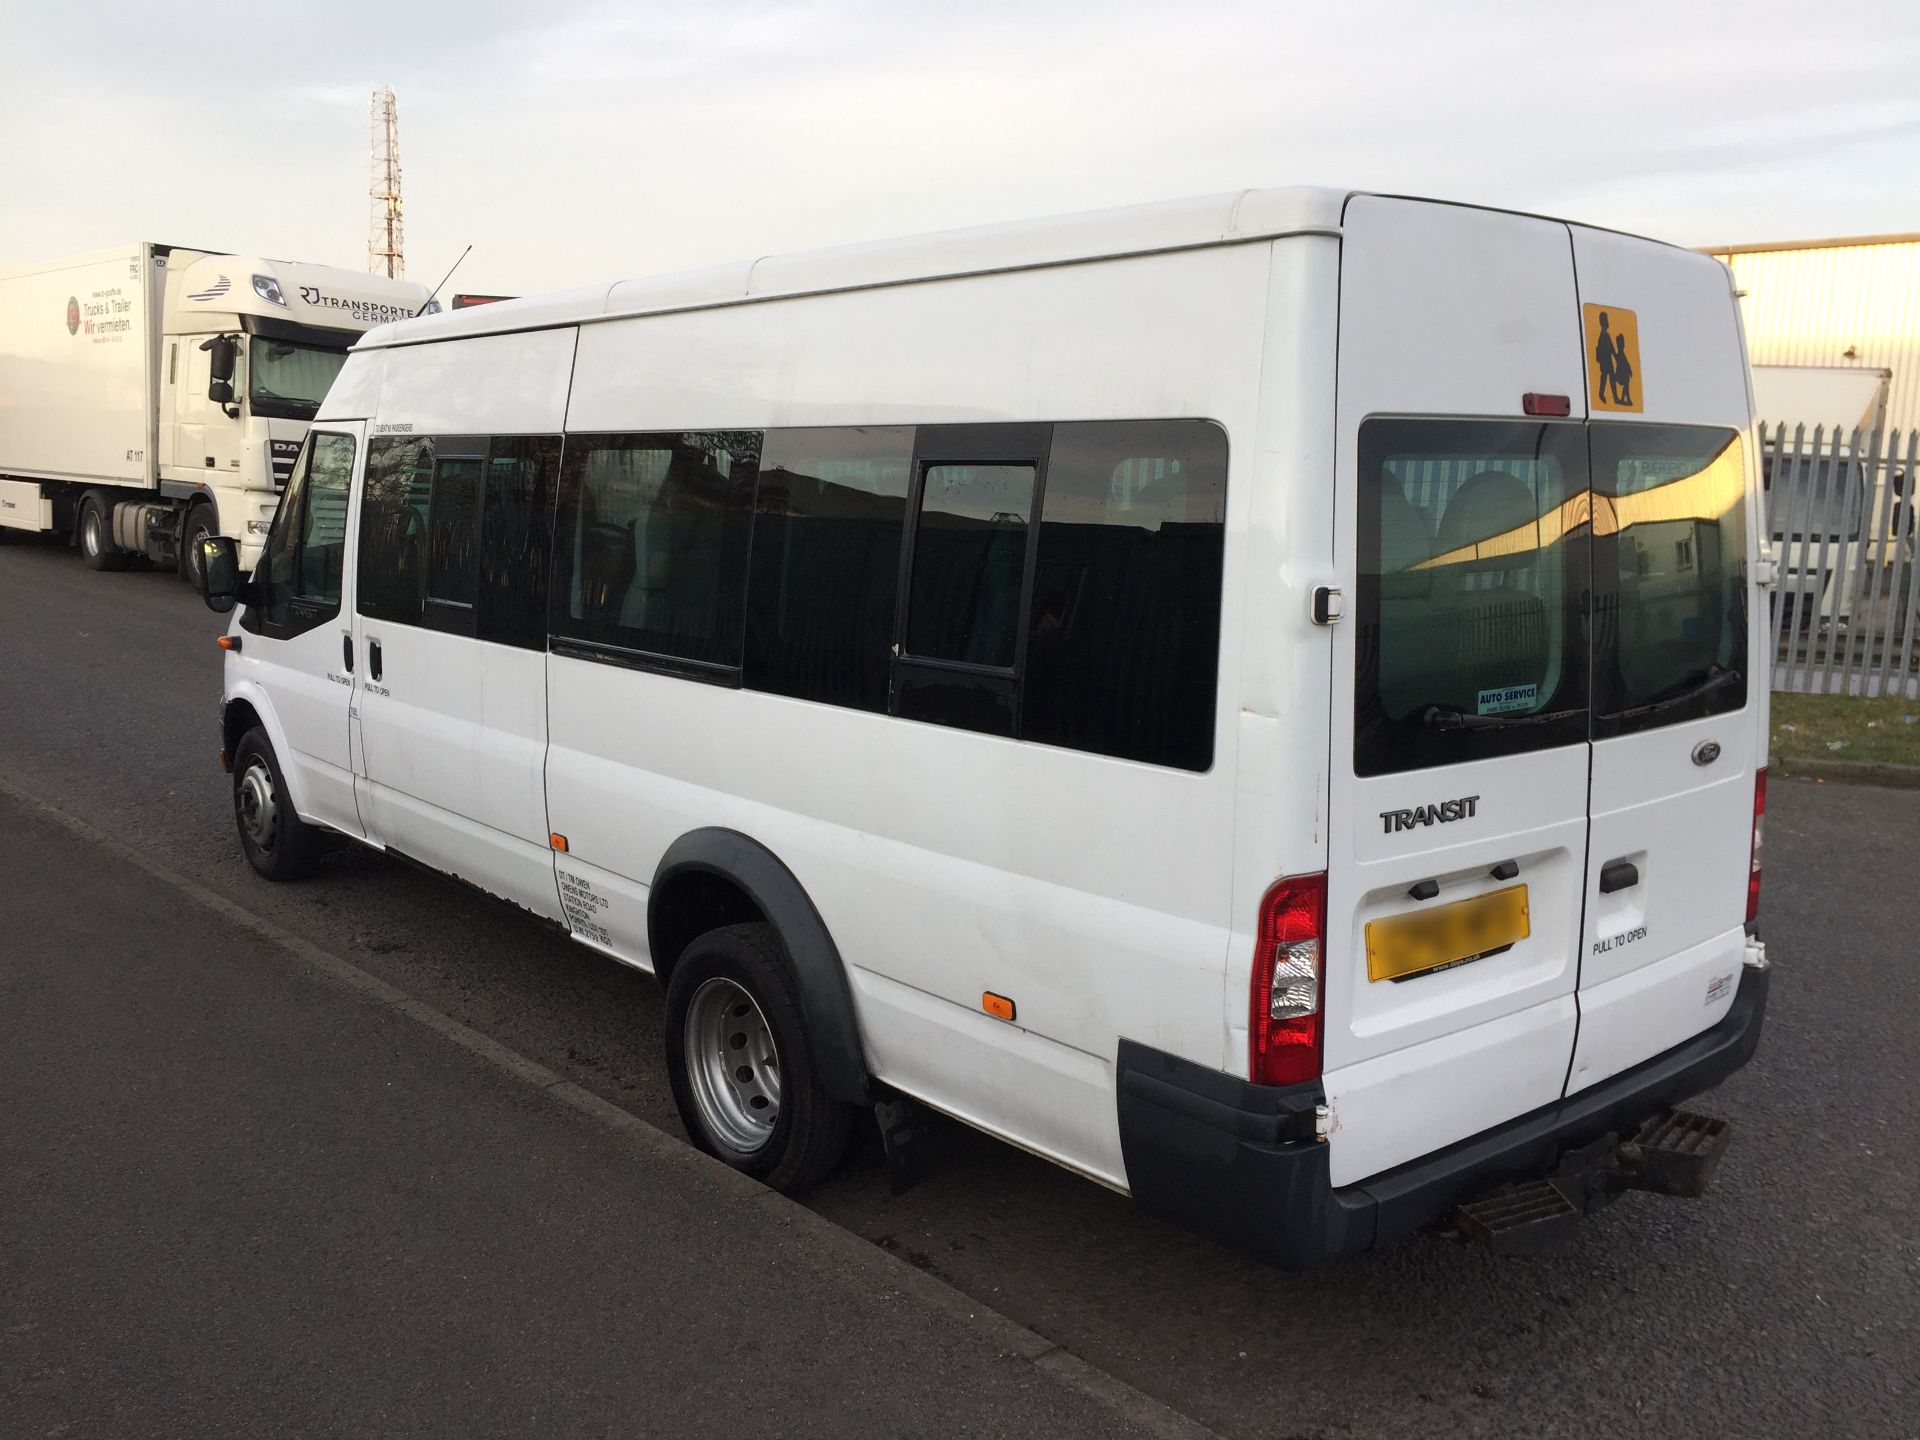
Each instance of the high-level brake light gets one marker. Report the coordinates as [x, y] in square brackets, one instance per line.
[1759, 843]
[1289, 960]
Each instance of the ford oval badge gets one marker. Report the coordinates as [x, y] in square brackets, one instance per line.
[1706, 752]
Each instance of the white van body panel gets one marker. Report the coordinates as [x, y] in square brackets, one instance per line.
[1678, 821]
[1503, 323]
[1022, 879]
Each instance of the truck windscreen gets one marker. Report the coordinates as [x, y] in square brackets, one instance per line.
[289, 380]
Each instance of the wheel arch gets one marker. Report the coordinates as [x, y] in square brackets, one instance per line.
[713, 877]
[245, 706]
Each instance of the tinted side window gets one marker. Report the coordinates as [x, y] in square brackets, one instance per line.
[516, 528]
[969, 562]
[393, 528]
[651, 543]
[453, 542]
[826, 563]
[305, 552]
[1123, 643]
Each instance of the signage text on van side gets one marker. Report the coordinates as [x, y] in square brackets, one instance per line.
[1441, 813]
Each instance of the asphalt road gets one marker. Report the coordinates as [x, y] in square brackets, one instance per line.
[244, 1199]
[1785, 1303]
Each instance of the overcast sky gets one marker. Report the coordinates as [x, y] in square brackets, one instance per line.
[575, 142]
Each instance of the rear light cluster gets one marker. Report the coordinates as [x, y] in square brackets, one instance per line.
[1759, 843]
[1289, 966]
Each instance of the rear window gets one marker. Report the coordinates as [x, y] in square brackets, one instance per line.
[1472, 550]
[1670, 575]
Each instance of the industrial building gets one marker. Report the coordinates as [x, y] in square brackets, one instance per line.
[1849, 302]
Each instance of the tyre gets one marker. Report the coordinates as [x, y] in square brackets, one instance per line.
[196, 527]
[279, 844]
[741, 1061]
[96, 537]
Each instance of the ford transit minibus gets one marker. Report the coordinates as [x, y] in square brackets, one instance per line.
[1258, 700]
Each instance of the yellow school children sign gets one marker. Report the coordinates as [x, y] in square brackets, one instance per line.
[1613, 358]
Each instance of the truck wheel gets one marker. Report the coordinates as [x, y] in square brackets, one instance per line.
[196, 527]
[96, 537]
[279, 844]
[741, 1061]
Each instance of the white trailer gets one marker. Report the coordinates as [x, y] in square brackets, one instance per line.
[153, 394]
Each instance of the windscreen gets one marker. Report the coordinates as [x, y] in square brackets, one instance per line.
[289, 380]
[1472, 561]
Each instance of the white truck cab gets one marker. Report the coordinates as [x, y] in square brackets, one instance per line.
[159, 394]
[1255, 699]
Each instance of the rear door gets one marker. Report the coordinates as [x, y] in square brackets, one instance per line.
[1677, 702]
[1458, 821]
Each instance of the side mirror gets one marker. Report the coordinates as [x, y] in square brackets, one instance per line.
[223, 353]
[219, 573]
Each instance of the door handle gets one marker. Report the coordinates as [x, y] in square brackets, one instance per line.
[1618, 875]
[346, 649]
[373, 657]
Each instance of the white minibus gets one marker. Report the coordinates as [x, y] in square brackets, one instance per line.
[1253, 699]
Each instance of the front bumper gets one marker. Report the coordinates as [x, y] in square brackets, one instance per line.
[1238, 1162]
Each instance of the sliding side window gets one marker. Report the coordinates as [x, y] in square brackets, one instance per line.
[650, 549]
[825, 575]
[392, 567]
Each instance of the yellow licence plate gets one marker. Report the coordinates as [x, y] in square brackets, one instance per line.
[1403, 945]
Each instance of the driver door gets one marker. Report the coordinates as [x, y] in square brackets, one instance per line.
[297, 649]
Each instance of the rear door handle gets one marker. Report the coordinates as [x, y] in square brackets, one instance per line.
[1618, 875]
[346, 651]
[373, 657]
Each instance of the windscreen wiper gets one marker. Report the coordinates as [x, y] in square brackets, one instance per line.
[1718, 677]
[1452, 717]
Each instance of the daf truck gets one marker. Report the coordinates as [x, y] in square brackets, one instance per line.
[153, 395]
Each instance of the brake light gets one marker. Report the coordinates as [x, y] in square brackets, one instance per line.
[1759, 843]
[1289, 961]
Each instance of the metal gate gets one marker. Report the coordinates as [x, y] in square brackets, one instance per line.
[1840, 514]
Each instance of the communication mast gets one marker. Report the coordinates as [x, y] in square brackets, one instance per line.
[386, 236]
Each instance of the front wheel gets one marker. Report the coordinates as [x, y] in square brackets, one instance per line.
[279, 844]
[197, 527]
[741, 1061]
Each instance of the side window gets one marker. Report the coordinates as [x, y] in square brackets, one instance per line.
[975, 492]
[305, 552]
[1123, 644]
[650, 547]
[516, 528]
[825, 570]
[453, 541]
[392, 569]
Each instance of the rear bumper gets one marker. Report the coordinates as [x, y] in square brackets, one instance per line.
[1238, 1163]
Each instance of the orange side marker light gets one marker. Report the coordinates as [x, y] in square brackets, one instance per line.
[228, 642]
[558, 842]
[998, 1006]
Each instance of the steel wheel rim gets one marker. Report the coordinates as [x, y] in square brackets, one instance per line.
[253, 801]
[90, 531]
[733, 1066]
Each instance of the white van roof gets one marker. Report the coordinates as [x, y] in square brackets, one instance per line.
[1223, 219]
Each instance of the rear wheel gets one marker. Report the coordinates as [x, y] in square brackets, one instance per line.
[741, 1062]
[196, 527]
[279, 844]
[96, 537]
